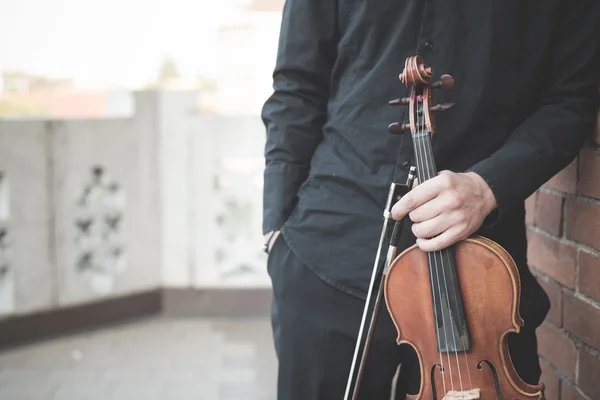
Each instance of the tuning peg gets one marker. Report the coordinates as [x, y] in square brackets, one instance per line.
[446, 83]
[403, 101]
[441, 107]
[397, 128]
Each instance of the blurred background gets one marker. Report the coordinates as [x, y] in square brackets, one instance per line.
[131, 160]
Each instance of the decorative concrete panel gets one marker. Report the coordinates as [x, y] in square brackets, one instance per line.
[36, 285]
[176, 160]
[6, 271]
[228, 191]
[25, 216]
[101, 253]
[98, 214]
[24, 154]
[4, 199]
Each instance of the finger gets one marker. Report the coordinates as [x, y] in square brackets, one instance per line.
[415, 198]
[446, 201]
[435, 226]
[447, 238]
[429, 210]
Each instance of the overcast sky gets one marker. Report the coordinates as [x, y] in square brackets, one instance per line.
[109, 41]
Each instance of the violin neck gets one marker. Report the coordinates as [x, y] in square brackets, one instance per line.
[451, 328]
[423, 148]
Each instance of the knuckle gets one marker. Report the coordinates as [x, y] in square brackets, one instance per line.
[455, 198]
[409, 202]
[446, 181]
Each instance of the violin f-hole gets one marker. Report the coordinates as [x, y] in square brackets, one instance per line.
[494, 373]
[433, 386]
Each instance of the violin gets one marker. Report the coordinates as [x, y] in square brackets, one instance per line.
[455, 306]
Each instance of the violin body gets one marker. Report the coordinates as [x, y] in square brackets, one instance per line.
[490, 289]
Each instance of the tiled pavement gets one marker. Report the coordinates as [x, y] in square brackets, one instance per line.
[159, 358]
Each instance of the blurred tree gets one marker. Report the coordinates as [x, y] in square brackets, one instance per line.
[168, 72]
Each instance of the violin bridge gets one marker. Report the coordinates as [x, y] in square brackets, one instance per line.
[462, 394]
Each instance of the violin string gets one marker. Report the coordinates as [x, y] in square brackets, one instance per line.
[428, 154]
[434, 254]
[422, 178]
[421, 174]
[461, 322]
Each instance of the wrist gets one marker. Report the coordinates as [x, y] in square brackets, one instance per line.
[485, 192]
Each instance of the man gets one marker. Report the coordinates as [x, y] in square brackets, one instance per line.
[527, 74]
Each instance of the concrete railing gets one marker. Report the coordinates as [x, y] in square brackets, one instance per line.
[92, 209]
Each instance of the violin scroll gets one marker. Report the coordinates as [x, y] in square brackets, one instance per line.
[415, 72]
[418, 76]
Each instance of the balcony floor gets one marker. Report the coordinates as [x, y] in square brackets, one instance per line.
[158, 358]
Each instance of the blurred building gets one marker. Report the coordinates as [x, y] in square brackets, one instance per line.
[26, 95]
[247, 48]
[16, 82]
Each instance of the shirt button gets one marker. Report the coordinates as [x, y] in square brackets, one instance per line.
[429, 44]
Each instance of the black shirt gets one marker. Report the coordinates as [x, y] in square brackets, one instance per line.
[526, 95]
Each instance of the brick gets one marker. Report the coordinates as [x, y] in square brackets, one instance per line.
[589, 175]
[581, 222]
[557, 349]
[551, 382]
[582, 319]
[552, 257]
[589, 275]
[589, 373]
[565, 180]
[568, 391]
[548, 213]
[555, 295]
[530, 204]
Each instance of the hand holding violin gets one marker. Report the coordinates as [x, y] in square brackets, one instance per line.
[446, 209]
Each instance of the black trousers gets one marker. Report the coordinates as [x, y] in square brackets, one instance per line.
[315, 328]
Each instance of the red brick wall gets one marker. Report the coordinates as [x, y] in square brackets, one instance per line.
[563, 220]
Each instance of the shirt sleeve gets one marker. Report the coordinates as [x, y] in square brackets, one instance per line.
[295, 113]
[553, 135]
